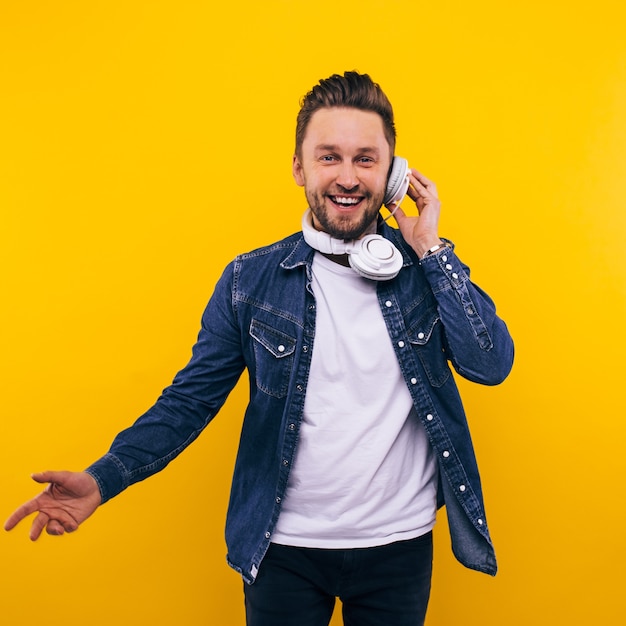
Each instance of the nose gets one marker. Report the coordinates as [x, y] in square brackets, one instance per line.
[347, 176]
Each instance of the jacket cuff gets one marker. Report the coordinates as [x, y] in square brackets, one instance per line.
[109, 473]
[443, 269]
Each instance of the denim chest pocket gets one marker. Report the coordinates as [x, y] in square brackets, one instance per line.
[273, 353]
[426, 337]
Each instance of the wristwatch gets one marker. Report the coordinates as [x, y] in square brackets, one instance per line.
[444, 244]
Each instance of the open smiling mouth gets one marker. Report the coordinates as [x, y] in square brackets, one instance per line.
[346, 202]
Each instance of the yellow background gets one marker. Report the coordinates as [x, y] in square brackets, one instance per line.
[145, 143]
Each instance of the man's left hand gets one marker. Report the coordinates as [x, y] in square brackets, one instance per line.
[420, 231]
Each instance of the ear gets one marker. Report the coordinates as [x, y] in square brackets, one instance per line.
[296, 168]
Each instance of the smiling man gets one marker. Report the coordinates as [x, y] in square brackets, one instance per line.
[355, 433]
[343, 164]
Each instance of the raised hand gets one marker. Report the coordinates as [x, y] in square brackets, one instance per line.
[421, 231]
[68, 500]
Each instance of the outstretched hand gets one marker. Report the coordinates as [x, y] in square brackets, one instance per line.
[68, 500]
[420, 231]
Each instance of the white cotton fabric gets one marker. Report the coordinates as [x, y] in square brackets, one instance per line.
[364, 473]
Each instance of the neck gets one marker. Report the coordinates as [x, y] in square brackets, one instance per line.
[341, 259]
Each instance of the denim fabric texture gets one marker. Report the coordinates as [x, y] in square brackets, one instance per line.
[299, 585]
[261, 317]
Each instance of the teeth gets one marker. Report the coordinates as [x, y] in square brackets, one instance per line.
[340, 200]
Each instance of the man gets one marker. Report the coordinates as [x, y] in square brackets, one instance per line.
[355, 432]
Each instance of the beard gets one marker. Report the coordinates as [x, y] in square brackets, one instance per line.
[341, 226]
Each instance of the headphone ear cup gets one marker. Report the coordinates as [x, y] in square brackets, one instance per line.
[376, 258]
[398, 181]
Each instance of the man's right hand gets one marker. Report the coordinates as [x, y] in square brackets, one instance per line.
[68, 500]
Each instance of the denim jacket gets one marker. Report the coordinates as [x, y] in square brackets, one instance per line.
[261, 317]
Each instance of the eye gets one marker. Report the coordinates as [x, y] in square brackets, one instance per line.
[365, 161]
[328, 158]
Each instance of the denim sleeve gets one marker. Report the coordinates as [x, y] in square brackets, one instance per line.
[185, 407]
[479, 345]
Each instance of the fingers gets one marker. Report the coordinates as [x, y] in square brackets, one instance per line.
[424, 182]
[28, 507]
[55, 528]
[52, 526]
[422, 188]
[424, 193]
[398, 213]
[20, 513]
[39, 523]
[53, 511]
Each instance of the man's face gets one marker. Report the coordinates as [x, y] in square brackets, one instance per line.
[343, 168]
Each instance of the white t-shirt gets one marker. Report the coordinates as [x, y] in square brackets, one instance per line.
[364, 473]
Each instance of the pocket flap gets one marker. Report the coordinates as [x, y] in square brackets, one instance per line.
[422, 330]
[277, 342]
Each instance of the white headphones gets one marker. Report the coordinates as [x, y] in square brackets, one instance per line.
[372, 256]
[397, 182]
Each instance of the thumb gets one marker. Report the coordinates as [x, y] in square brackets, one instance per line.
[48, 477]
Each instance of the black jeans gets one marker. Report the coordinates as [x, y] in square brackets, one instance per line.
[382, 586]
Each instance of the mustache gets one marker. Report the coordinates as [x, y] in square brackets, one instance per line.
[354, 191]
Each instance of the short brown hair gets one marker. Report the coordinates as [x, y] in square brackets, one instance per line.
[352, 90]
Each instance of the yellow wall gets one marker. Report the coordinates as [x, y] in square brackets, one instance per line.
[144, 143]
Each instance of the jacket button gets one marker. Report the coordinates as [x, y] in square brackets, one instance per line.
[285, 462]
[388, 303]
[429, 417]
[480, 522]
[400, 344]
[446, 454]
[281, 348]
[267, 535]
[414, 381]
[462, 488]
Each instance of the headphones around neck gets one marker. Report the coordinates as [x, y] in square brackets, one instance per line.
[372, 256]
